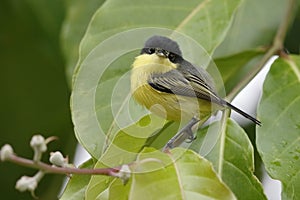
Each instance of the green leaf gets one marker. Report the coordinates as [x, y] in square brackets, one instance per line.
[101, 95]
[78, 15]
[181, 174]
[278, 140]
[123, 149]
[232, 157]
[77, 185]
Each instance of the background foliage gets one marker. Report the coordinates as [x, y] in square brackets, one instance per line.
[34, 91]
[40, 42]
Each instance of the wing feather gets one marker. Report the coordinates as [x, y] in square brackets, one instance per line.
[185, 84]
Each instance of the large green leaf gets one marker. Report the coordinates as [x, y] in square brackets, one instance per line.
[104, 62]
[278, 140]
[78, 15]
[181, 174]
[231, 153]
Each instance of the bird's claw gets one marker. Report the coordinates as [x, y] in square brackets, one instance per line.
[186, 133]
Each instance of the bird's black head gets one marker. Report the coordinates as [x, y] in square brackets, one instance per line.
[164, 47]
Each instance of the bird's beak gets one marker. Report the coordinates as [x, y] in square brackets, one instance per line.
[160, 53]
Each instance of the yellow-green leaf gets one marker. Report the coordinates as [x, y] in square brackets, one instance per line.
[231, 153]
[181, 174]
[278, 140]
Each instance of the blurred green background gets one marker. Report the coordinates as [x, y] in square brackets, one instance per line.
[34, 91]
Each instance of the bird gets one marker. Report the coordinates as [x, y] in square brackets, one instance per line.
[172, 87]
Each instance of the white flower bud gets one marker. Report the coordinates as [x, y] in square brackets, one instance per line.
[26, 183]
[38, 143]
[39, 146]
[57, 159]
[5, 152]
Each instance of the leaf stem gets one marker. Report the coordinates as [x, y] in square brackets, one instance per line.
[61, 170]
[275, 48]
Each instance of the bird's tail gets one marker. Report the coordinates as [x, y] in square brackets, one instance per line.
[243, 113]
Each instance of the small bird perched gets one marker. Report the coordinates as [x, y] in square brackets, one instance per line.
[173, 88]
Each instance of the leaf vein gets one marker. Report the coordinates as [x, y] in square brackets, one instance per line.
[280, 90]
[191, 15]
[245, 176]
[179, 177]
[294, 68]
[272, 125]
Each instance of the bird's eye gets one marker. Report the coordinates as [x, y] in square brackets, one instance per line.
[151, 50]
[172, 57]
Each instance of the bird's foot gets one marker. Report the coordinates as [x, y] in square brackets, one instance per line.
[185, 134]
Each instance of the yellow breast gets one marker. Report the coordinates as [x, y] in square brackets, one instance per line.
[168, 106]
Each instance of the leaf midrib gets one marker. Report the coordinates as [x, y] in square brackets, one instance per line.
[191, 15]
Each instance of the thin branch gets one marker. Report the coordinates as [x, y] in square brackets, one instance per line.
[61, 170]
[276, 47]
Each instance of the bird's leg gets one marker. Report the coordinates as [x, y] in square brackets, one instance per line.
[185, 133]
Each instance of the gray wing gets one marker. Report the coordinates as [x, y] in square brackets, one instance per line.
[185, 81]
